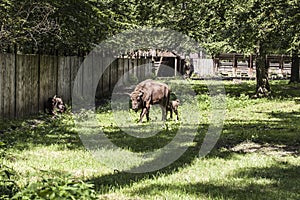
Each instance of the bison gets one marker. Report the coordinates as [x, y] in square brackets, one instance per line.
[55, 105]
[150, 92]
[173, 107]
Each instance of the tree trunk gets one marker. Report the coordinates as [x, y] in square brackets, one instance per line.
[262, 83]
[295, 68]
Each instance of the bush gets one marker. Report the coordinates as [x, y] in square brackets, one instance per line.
[8, 186]
[57, 188]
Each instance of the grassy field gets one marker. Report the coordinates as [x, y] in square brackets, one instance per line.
[256, 156]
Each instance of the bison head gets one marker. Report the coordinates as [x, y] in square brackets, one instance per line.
[136, 100]
[57, 103]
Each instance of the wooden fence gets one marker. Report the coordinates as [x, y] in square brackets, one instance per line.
[27, 81]
[204, 67]
[239, 65]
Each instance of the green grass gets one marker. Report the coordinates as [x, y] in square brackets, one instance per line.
[256, 156]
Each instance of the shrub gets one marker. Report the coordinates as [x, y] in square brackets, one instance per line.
[8, 186]
[57, 188]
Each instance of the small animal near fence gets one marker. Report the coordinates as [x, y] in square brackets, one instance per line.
[27, 81]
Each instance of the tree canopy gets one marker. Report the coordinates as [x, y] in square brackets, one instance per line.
[218, 25]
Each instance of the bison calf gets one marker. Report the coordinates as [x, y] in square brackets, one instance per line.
[150, 92]
[173, 107]
[55, 105]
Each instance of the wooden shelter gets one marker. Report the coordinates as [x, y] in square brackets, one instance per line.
[240, 65]
[166, 63]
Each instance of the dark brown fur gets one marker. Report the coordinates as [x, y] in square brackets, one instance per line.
[173, 107]
[55, 105]
[150, 92]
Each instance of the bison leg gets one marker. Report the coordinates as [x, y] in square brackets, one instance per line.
[147, 115]
[171, 113]
[144, 111]
[176, 112]
[164, 111]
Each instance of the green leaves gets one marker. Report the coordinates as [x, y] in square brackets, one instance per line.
[8, 186]
[58, 188]
[222, 25]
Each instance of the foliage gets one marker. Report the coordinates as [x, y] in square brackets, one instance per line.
[290, 30]
[240, 26]
[253, 23]
[57, 188]
[68, 26]
[219, 26]
[8, 185]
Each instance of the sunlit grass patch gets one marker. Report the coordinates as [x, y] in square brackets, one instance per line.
[249, 176]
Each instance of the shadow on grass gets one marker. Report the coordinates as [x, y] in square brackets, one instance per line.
[232, 90]
[279, 181]
[269, 135]
[283, 131]
[136, 144]
[40, 130]
[120, 179]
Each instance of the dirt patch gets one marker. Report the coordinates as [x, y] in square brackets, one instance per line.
[268, 149]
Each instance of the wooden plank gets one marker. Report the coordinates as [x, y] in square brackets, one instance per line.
[144, 69]
[135, 68]
[43, 90]
[76, 76]
[3, 85]
[26, 84]
[140, 67]
[7, 86]
[114, 74]
[64, 79]
[149, 68]
[97, 69]
[20, 87]
[126, 68]
[87, 79]
[32, 84]
[2, 65]
[53, 75]
[48, 78]
[11, 89]
[121, 70]
[106, 77]
[75, 65]
[106, 65]
[43, 82]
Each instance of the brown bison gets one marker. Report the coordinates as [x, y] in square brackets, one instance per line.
[150, 92]
[55, 105]
[173, 107]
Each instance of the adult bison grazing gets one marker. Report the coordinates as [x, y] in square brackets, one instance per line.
[150, 92]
